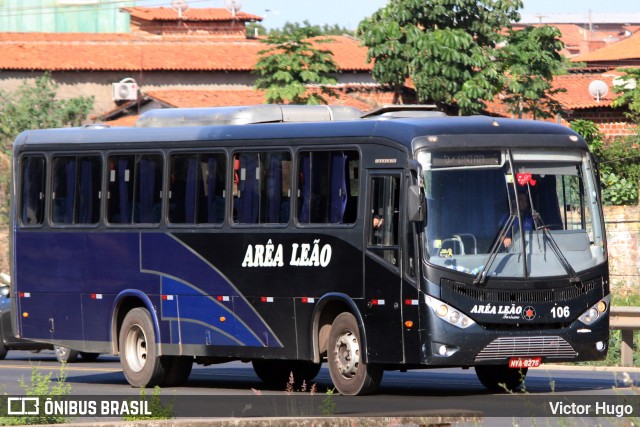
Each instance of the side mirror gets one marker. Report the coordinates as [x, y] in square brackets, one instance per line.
[4, 290]
[415, 204]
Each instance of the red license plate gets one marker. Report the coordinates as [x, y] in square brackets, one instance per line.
[525, 362]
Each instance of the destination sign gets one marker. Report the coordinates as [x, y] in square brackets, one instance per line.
[465, 158]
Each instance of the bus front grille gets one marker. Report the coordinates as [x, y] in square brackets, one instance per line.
[546, 346]
[519, 295]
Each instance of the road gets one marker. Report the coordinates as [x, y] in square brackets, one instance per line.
[425, 392]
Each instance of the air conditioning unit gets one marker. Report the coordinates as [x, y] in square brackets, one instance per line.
[125, 91]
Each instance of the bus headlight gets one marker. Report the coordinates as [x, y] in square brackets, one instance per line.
[595, 312]
[448, 314]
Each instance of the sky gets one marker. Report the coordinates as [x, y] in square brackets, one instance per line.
[349, 13]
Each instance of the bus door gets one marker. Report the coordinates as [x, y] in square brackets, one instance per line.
[382, 264]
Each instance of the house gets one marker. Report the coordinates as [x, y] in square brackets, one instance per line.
[584, 33]
[203, 56]
[203, 50]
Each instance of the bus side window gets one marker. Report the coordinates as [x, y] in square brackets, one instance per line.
[262, 187]
[120, 189]
[197, 188]
[76, 192]
[134, 189]
[384, 220]
[148, 189]
[328, 184]
[33, 186]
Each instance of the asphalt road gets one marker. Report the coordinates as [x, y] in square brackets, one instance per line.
[415, 393]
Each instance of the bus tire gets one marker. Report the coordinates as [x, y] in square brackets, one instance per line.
[349, 374]
[178, 370]
[500, 378]
[140, 362]
[276, 372]
[65, 354]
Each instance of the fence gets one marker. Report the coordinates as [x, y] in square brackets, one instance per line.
[627, 320]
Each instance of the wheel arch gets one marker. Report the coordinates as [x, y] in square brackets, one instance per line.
[327, 309]
[125, 302]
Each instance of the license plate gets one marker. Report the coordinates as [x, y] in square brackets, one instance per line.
[525, 362]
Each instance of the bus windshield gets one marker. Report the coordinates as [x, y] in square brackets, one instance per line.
[482, 216]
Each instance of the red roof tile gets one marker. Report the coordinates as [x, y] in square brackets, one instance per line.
[123, 121]
[227, 98]
[626, 49]
[191, 14]
[126, 53]
[576, 97]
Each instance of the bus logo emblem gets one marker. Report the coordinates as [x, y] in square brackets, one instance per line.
[529, 313]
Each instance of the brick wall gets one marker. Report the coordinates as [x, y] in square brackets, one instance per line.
[612, 123]
[623, 235]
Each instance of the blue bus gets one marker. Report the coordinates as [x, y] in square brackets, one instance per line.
[291, 236]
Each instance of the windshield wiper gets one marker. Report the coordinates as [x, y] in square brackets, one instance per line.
[493, 252]
[573, 276]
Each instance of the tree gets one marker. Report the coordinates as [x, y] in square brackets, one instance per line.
[448, 48]
[531, 58]
[293, 70]
[618, 164]
[629, 93]
[36, 107]
[325, 30]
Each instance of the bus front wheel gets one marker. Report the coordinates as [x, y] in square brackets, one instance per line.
[500, 378]
[350, 375]
[138, 351]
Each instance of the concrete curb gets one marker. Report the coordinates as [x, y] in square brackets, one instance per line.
[435, 420]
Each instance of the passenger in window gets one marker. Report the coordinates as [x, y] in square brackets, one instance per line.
[525, 213]
[377, 230]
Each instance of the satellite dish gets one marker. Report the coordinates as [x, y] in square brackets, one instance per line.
[625, 83]
[598, 89]
[233, 6]
[180, 6]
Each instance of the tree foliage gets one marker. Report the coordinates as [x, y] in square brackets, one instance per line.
[35, 106]
[448, 47]
[618, 163]
[629, 93]
[531, 59]
[321, 30]
[459, 55]
[293, 70]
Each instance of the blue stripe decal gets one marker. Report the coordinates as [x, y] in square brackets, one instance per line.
[184, 267]
[201, 309]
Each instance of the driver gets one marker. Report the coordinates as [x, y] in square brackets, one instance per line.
[525, 214]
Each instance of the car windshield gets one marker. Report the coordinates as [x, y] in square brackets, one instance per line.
[483, 215]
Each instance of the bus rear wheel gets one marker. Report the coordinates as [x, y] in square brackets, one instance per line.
[500, 378]
[138, 351]
[350, 375]
[277, 372]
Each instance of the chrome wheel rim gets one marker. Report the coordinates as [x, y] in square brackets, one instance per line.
[136, 348]
[347, 355]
